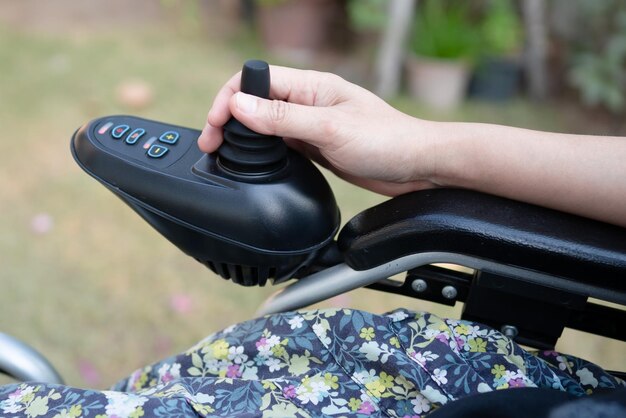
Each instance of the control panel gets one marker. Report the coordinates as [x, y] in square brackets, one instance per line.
[144, 141]
[253, 211]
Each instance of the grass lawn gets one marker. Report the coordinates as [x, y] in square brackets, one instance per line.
[83, 279]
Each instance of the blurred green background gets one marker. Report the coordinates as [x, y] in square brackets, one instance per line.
[93, 287]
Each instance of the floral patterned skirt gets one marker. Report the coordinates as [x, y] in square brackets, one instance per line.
[334, 362]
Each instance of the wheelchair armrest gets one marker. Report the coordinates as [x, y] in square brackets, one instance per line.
[488, 227]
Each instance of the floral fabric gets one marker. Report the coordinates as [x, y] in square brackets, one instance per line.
[334, 362]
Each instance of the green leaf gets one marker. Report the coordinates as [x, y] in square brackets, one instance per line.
[196, 360]
[193, 371]
[265, 401]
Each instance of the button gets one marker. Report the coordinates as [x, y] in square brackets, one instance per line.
[134, 136]
[157, 151]
[104, 128]
[169, 137]
[119, 131]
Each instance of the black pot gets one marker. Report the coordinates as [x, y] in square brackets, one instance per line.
[495, 79]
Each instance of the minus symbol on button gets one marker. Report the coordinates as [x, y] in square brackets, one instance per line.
[149, 142]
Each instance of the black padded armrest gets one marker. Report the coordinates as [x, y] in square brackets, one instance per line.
[488, 227]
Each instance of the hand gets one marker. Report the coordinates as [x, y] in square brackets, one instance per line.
[343, 127]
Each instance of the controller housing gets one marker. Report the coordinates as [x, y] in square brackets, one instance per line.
[245, 228]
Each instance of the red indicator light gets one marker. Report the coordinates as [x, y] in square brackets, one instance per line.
[105, 128]
[149, 142]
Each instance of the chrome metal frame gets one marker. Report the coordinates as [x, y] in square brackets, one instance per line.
[22, 362]
[341, 278]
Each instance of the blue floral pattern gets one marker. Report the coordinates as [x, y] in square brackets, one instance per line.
[333, 362]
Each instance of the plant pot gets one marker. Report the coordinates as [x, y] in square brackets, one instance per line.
[297, 29]
[438, 83]
[496, 79]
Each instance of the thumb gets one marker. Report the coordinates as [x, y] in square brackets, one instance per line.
[275, 117]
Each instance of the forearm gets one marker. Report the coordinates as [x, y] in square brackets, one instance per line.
[364, 140]
[585, 175]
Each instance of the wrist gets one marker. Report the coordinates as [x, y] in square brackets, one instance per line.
[414, 156]
[454, 153]
[439, 151]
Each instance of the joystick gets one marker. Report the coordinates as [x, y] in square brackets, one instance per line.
[245, 153]
[253, 211]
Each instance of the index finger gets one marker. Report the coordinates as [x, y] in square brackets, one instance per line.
[219, 112]
[303, 87]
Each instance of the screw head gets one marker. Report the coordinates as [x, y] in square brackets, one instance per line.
[419, 285]
[509, 331]
[449, 292]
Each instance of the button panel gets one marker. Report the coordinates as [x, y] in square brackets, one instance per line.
[144, 140]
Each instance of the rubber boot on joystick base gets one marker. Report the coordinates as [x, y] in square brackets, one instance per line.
[245, 152]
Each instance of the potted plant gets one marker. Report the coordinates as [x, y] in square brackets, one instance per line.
[297, 29]
[367, 16]
[598, 59]
[498, 71]
[444, 44]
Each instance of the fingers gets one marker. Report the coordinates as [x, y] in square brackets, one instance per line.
[297, 86]
[210, 139]
[302, 87]
[314, 125]
[219, 112]
[306, 87]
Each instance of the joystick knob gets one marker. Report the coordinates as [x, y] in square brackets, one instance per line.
[244, 152]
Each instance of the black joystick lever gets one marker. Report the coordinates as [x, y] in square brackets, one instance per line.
[244, 152]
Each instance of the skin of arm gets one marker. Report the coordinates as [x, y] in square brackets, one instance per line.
[362, 139]
[580, 174]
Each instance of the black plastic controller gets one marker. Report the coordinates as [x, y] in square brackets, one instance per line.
[252, 211]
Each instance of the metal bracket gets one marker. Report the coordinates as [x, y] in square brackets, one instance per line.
[531, 313]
